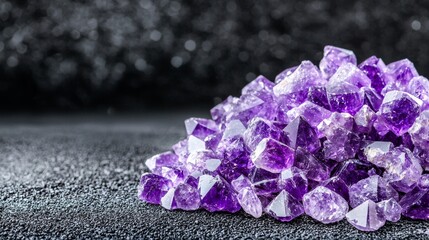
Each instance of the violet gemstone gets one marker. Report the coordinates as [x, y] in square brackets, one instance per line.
[264, 182]
[167, 159]
[402, 71]
[315, 141]
[184, 196]
[247, 196]
[325, 205]
[364, 119]
[251, 106]
[399, 110]
[419, 87]
[285, 73]
[375, 152]
[260, 87]
[390, 209]
[352, 171]
[314, 168]
[419, 131]
[333, 58]
[375, 70]
[372, 99]
[259, 129]
[423, 156]
[312, 113]
[402, 170]
[217, 195]
[415, 203]
[330, 126]
[272, 155]
[366, 217]
[200, 161]
[153, 187]
[200, 127]
[284, 207]
[294, 181]
[241, 182]
[221, 111]
[373, 188]
[293, 89]
[317, 95]
[337, 185]
[301, 134]
[343, 147]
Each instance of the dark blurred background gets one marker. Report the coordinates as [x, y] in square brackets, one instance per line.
[120, 55]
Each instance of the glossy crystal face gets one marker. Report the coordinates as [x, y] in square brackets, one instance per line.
[338, 141]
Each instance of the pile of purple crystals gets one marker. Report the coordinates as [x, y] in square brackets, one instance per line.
[336, 141]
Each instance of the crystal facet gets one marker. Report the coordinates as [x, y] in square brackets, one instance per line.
[272, 155]
[325, 205]
[315, 141]
[284, 207]
[366, 217]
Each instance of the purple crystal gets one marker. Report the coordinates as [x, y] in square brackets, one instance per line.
[301, 134]
[342, 145]
[293, 89]
[375, 70]
[402, 71]
[202, 160]
[220, 112]
[415, 203]
[372, 188]
[184, 196]
[315, 169]
[284, 207]
[312, 113]
[260, 87]
[325, 205]
[402, 169]
[236, 158]
[329, 126]
[419, 87]
[333, 58]
[247, 197]
[265, 183]
[372, 99]
[166, 159]
[251, 106]
[366, 217]
[294, 181]
[217, 195]
[376, 151]
[286, 73]
[272, 155]
[200, 127]
[153, 187]
[390, 209]
[419, 131]
[364, 119]
[317, 95]
[337, 185]
[399, 110]
[259, 129]
[352, 171]
[344, 133]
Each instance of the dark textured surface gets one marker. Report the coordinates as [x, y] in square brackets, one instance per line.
[108, 53]
[76, 177]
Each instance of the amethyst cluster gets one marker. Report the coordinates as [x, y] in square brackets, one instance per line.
[337, 141]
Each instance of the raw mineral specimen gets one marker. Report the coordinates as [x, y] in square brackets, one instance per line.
[315, 141]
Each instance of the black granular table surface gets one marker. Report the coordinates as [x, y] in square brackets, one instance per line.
[76, 177]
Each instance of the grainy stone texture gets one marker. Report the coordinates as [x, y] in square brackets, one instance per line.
[76, 177]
